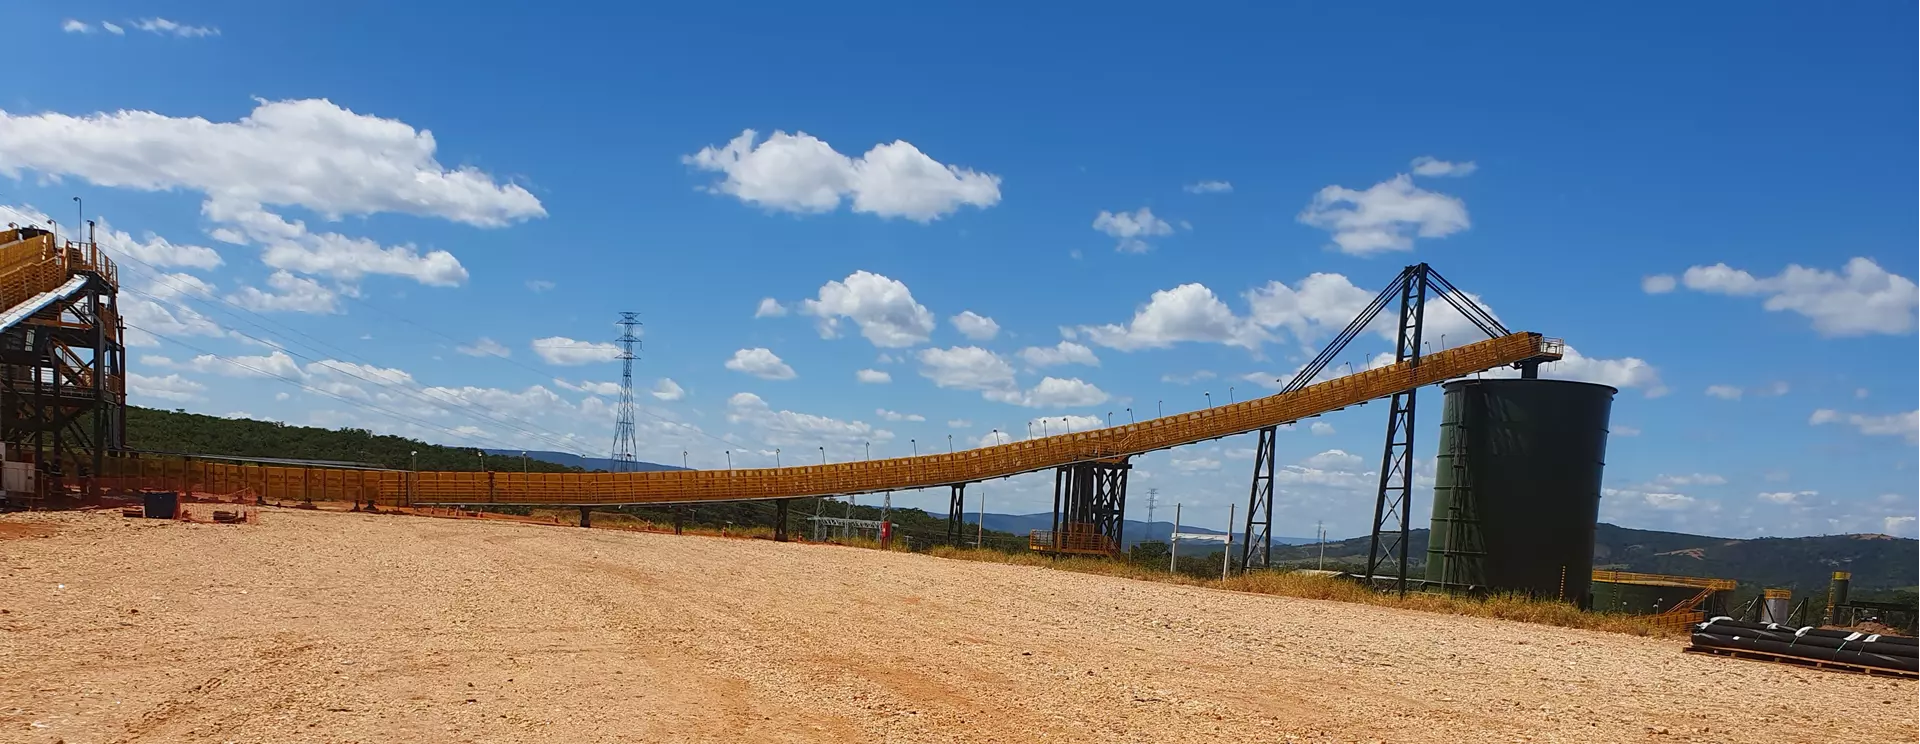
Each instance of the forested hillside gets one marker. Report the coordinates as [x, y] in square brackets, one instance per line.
[154, 430]
[1804, 564]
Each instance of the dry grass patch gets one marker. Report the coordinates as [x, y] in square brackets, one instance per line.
[1307, 586]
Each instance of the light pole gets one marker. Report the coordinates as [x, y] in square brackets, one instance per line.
[1130, 418]
[1209, 395]
[729, 459]
[413, 473]
[1109, 419]
[916, 446]
[1029, 429]
[996, 437]
[823, 454]
[1159, 410]
[1229, 393]
[482, 454]
[683, 460]
[1043, 427]
[523, 461]
[776, 456]
[80, 214]
[869, 450]
[949, 444]
[1068, 422]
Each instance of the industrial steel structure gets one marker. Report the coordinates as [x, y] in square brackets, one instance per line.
[65, 367]
[1676, 601]
[62, 365]
[867, 476]
[626, 449]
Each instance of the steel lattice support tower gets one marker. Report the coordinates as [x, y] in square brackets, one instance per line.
[63, 370]
[625, 449]
[1394, 501]
[1259, 530]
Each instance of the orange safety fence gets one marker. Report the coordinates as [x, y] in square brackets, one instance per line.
[283, 483]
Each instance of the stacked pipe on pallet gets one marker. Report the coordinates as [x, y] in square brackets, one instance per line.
[1843, 646]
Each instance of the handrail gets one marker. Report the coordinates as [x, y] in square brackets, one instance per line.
[1626, 577]
[901, 473]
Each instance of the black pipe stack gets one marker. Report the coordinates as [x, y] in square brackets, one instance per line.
[1846, 647]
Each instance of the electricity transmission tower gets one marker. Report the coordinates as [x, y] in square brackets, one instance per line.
[625, 448]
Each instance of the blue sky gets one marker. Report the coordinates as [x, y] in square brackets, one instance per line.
[425, 220]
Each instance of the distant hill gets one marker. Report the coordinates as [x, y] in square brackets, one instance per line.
[588, 464]
[156, 430]
[1804, 564]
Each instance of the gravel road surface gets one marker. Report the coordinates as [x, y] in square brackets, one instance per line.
[319, 626]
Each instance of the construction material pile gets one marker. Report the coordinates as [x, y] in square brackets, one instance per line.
[1809, 643]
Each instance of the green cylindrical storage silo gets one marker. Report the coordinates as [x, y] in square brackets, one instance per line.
[1518, 488]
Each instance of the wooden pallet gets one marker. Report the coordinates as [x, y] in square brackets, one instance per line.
[1837, 666]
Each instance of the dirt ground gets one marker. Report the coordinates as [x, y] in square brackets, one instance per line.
[350, 627]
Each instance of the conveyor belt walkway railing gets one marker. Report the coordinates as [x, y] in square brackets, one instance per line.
[135, 473]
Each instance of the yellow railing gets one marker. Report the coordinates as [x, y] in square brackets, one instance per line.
[841, 478]
[37, 263]
[1625, 577]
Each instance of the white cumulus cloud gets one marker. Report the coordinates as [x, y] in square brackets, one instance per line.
[886, 415]
[164, 27]
[1132, 228]
[1861, 299]
[1065, 352]
[1189, 312]
[769, 308]
[761, 363]
[1430, 166]
[1052, 392]
[1905, 424]
[289, 293]
[668, 390]
[794, 431]
[310, 154]
[568, 352]
[966, 368]
[975, 326]
[802, 173]
[1385, 217]
[883, 308]
[873, 377]
[171, 387]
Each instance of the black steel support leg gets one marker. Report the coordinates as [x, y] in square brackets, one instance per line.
[1259, 531]
[586, 516]
[956, 514]
[1393, 502]
[780, 520]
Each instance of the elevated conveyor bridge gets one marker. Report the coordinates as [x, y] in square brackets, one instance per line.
[837, 479]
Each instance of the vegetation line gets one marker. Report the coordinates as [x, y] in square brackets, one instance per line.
[1313, 586]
